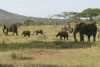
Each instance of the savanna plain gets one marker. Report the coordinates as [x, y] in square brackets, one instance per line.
[47, 50]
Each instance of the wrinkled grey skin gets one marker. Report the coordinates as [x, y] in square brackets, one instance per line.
[10, 28]
[26, 32]
[88, 28]
[38, 31]
[62, 34]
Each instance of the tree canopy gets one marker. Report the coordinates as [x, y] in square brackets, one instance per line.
[92, 14]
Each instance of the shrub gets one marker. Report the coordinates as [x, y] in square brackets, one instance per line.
[14, 56]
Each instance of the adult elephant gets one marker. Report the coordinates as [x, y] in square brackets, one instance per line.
[88, 28]
[67, 27]
[10, 28]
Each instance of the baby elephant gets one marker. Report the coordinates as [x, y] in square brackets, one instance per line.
[62, 34]
[38, 31]
[26, 32]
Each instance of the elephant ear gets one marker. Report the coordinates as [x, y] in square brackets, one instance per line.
[81, 26]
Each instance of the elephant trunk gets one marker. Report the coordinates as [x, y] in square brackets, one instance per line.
[22, 34]
[3, 31]
[4, 27]
[74, 33]
[57, 35]
[62, 28]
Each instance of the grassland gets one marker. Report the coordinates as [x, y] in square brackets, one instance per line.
[47, 50]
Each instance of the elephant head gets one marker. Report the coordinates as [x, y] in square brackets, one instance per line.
[64, 27]
[23, 33]
[78, 27]
[4, 27]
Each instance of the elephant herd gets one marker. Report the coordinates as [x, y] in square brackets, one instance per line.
[13, 28]
[88, 28]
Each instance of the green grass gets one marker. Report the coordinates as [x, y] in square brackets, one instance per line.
[47, 50]
[14, 56]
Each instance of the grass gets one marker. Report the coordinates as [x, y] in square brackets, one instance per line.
[14, 56]
[47, 50]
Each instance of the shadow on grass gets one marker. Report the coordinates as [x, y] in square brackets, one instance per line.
[41, 65]
[47, 45]
[6, 65]
[79, 66]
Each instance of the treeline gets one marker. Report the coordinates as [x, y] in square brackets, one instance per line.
[32, 23]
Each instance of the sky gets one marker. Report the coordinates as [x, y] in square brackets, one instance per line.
[43, 8]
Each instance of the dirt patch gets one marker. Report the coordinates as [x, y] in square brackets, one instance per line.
[41, 53]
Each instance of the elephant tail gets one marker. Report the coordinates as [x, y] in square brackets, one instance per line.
[99, 32]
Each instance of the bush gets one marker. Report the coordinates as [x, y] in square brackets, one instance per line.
[58, 42]
[18, 23]
[14, 56]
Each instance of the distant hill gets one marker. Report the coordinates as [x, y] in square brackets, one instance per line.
[6, 16]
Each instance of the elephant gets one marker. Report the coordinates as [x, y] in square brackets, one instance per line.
[88, 28]
[10, 28]
[67, 27]
[62, 34]
[71, 29]
[38, 31]
[63, 27]
[26, 32]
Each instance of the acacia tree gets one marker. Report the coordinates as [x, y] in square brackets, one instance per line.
[66, 16]
[50, 18]
[69, 16]
[57, 17]
[92, 14]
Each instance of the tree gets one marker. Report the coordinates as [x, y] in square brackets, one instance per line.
[57, 17]
[50, 19]
[92, 14]
[27, 22]
[18, 23]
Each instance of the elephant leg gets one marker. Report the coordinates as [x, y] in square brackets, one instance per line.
[75, 37]
[67, 37]
[36, 33]
[16, 32]
[60, 37]
[6, 32]
[81, 37]
[94, 37]
[41, 32]
[89, 38]
[29, 35]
